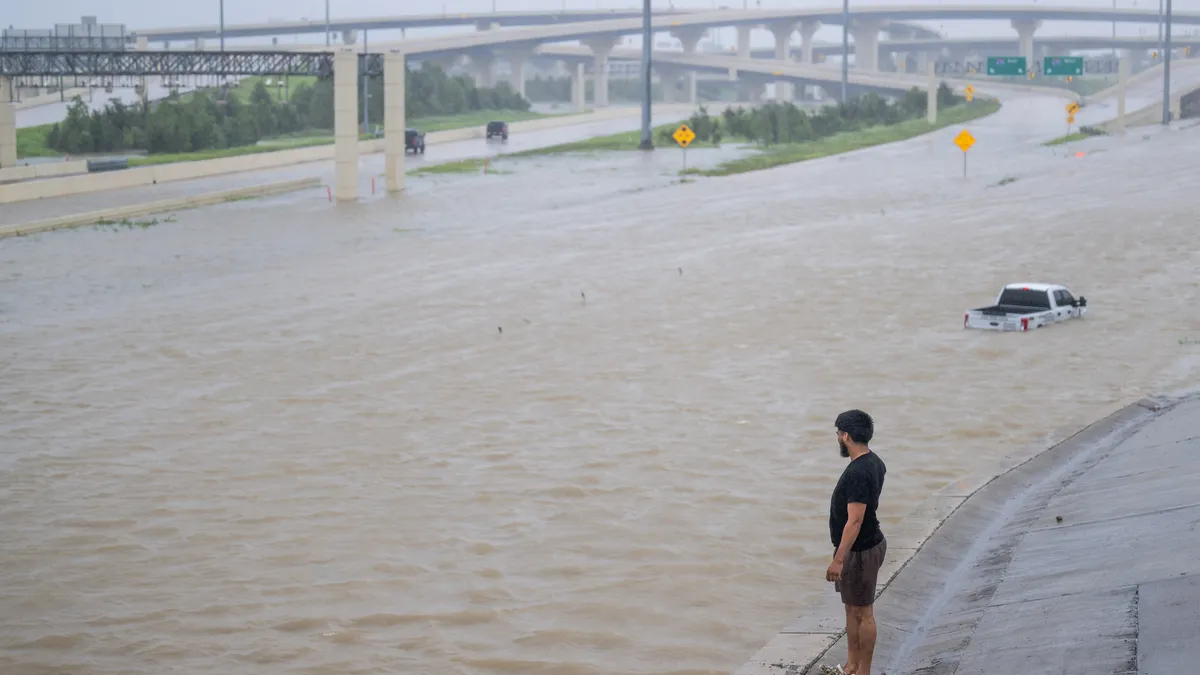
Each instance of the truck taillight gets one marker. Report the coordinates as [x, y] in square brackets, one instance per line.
[1025, 324]
[965, 316]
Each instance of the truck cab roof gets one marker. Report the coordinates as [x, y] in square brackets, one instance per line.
[1026, 286]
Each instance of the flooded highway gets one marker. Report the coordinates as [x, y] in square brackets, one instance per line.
[572, 419]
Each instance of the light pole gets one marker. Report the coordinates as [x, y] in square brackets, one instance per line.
[647, 47]
[1167, 69]
[1160, 25]
[845, 46]
[326, 23]
[221, 31]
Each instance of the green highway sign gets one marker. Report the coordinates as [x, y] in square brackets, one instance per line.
[1062, 65]
[1006, 65]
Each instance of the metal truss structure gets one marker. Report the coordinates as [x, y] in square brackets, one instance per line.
[31, 65]
[1090, 67]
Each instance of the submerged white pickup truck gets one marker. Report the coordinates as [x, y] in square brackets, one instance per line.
[1023, 307]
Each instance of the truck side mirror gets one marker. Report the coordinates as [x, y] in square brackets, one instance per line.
[1082, 302]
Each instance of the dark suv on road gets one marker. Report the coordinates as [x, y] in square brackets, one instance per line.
[497, 129]
[414, 140]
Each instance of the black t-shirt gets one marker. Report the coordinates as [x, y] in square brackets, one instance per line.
[861, 482]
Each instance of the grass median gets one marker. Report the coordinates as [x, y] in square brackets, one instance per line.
[31, 141]
[1077, 136]
[628, 140]
[847, 142]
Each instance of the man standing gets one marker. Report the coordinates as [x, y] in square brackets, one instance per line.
[859, 544]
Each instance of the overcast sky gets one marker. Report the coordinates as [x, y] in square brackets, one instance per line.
[157, 13]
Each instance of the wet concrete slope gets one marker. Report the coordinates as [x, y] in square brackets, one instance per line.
[1084, 560]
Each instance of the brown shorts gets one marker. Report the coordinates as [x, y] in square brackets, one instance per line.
[860, 573]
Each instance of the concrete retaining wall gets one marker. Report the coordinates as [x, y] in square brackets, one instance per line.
[43, 170]
[163, 173]
[47, 99]
[173, 204]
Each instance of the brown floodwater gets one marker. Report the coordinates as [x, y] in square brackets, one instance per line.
[572, 419]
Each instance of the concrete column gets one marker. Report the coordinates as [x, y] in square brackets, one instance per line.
[516, 64]
[166, 45]
[690, 39]
[602, 48]
[1025, 29]
[349, 36]
[481, 68]
[8, 127]
[783, 36]
[1122, 85]
[142, 43]
[394, 70]
[866, 44]
[743, 45]
[345, 124]
[808, 29]
[931, 106]
[579, 87]
[199, 46]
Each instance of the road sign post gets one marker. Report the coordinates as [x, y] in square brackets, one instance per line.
[1006, 65]
[684, 137]
[1072, 108]
[964, 140]
[1057, 66]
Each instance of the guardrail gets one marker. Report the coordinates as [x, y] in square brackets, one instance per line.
[114, 164]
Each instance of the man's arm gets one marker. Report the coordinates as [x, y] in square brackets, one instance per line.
[855, 512]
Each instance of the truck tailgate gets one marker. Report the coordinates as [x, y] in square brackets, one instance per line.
[1010, 322]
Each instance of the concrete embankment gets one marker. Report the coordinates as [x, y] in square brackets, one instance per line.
[1080, 559]
[49, 99]
[164, 173]
[42, 170]
[160, 206]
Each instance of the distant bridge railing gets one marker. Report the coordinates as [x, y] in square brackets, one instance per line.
[34, 68]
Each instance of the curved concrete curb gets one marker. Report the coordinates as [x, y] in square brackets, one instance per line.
[796, 649]
[174, 204]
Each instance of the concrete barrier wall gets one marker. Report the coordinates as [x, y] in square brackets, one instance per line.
[173, 204]
[43, 170]
[164, 173]
[47, 99]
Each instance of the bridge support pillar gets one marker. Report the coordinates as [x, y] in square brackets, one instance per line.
[349, 36]
[578, 87]
[8, 127]
[602, 48]
[516, 66]
[394, 70]
[783, 37]
[1025, 29]
[807, 30]
[1122, 85]
[142, 43]
[481, 68]
[866, 44]
[690, 38]
[931, 102]
[743, 43]
[199, 46]
[345, 126]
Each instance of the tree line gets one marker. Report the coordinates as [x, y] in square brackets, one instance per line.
[782, 122]
[214, 119]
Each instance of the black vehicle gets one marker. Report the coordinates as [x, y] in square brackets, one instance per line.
[497, 129]
[414, 140]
